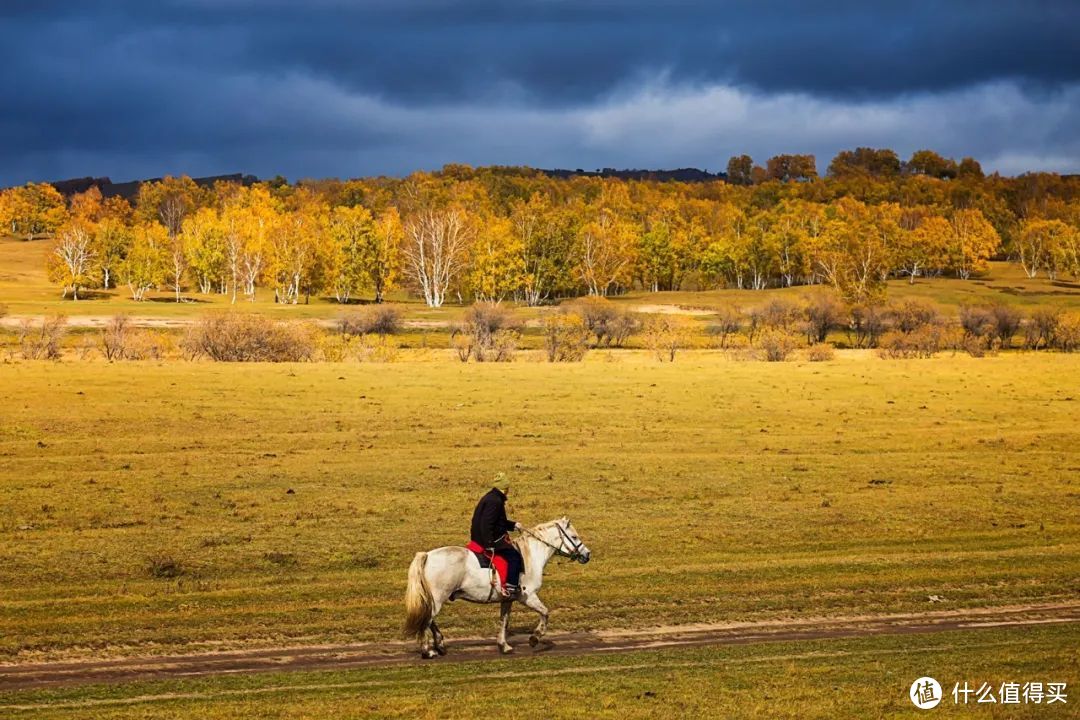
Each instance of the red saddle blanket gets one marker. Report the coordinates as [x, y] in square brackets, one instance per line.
[487, 560]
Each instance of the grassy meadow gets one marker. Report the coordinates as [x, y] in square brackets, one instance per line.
[153, 506]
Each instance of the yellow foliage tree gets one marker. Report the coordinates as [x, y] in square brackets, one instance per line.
[972, 243]
[146, 262]
[497, 260]
[33, 210]
[70, 263]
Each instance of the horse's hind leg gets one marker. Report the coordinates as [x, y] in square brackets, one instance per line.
[504, 618]
[533, 603]
[426, 650]
[437, 636]
[429, 650]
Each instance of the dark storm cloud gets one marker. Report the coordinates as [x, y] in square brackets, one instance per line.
[329, 87]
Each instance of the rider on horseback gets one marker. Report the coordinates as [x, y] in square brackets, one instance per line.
[489, 530]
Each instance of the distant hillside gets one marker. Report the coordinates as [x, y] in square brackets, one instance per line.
[128, 190]
[679, 174]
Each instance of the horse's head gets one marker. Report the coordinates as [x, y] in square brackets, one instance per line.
[571, 544]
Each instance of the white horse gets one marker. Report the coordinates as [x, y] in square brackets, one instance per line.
[454, 573]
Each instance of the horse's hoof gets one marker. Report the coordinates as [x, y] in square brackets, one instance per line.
[427, 654]
[533, 641]
[506, 649]
[441, 650]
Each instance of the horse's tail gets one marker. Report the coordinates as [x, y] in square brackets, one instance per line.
[418, 601]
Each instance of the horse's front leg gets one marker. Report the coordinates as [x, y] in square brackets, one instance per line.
[536, 605]
[504, 623]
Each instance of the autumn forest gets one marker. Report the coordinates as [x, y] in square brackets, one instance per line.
[500, 233]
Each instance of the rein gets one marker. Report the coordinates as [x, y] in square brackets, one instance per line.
[559, 549]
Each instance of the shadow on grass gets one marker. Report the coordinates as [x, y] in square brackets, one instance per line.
[92, 295]
[183, 300]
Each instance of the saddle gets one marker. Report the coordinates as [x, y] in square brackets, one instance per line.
[490, 559]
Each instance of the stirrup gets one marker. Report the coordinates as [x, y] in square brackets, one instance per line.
[510, 591]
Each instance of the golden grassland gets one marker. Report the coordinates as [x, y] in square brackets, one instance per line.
[152, 506]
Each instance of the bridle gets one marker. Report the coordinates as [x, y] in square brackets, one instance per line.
[564, 540]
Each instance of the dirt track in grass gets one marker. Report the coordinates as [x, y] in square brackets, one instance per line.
[376, 654]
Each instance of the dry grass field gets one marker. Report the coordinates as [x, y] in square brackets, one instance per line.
[152, 506]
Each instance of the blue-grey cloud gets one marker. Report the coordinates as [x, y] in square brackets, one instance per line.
[330, 87]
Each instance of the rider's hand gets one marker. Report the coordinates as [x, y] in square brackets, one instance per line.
[518, 526]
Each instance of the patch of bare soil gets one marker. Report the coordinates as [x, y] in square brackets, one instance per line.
[381, 654]
[671, 310]
[100, 321]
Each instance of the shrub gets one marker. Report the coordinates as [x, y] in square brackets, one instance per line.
[247, 337]
[120, 340]
[44, 341]
[978, 347]
[776, 314]
[1067, 333]
[895, 344]
[486, 334]
[462, 344]
[728, 322]
[911, 314]
[778, 344]
[115, 338]
[596, 313]
[485, 319]
[866, 322]
[371, 320]
[1040, 328]
[823, 311]
[950, 337]
[665, 336]
[922, 342]
[820, 352]
[149, 345]
[780, 313]
[1004, 323]
[977, 322]
[621, 327]
[503, 347]
[610, 324]
[566, 338]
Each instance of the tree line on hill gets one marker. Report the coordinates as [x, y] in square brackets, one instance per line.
[497, 233]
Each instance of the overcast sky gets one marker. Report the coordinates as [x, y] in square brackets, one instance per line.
[321, 88]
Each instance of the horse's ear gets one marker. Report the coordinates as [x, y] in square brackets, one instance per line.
[565, 519]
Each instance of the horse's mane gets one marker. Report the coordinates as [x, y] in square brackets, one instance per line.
[546, 525]
[521, 542]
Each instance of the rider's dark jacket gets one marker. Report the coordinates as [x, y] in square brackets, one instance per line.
[489, 522]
